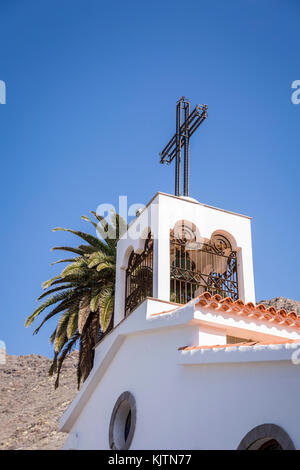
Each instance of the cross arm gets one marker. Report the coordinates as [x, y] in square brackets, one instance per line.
[190, 125]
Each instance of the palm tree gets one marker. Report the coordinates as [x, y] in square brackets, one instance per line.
[83, 295]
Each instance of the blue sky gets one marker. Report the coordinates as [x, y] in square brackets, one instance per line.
[91, 93]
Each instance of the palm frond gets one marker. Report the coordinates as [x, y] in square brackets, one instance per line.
[76, 268]
[88, 340]
[106, 231]
[99, 257]
[106, 265]
[64, 305]
[53, 366]
[67, 260]
[119, 223]
[48, 283]
[88, 249]
[85, 236]
[72, 323]
[63, 323]
[106, 307]
[68, 348]
[61, 334]
[84, 311]
[47, 303]
[95, 299]
[83, 294]
[55, 289]
[78, 251]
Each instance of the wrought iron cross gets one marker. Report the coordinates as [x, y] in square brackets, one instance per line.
[181, 139]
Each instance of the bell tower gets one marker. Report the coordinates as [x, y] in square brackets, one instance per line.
[178, 248]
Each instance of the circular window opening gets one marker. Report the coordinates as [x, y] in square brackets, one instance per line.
[266, 436]
[122, 423]
[265, 444]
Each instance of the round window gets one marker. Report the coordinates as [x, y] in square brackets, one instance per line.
[122, 422]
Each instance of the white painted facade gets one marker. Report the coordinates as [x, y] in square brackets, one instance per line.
[187, 399]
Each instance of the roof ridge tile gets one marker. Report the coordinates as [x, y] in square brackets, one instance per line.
[259, 311]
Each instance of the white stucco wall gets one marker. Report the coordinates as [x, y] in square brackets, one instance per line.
[185, 401]
[181, 406]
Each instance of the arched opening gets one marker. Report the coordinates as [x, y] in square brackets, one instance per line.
[198, 266]
[139, 276]
[266, 437]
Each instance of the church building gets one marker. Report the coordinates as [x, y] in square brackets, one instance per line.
[191, 361]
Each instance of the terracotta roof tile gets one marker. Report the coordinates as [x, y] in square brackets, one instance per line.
[238, 307]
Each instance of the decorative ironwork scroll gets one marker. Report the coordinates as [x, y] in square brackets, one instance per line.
[199, 267]
[139, 276]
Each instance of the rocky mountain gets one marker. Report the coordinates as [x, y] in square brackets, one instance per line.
[30, 407]
[281, 302]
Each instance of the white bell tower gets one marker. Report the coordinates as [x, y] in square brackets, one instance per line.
[177, 248]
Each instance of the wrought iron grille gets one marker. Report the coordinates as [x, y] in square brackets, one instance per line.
[139, 276]
[199, 267]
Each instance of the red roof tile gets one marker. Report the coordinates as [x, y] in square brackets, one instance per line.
[238, 307]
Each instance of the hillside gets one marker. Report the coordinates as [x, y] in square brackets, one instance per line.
[281, 302]
[30, 407]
